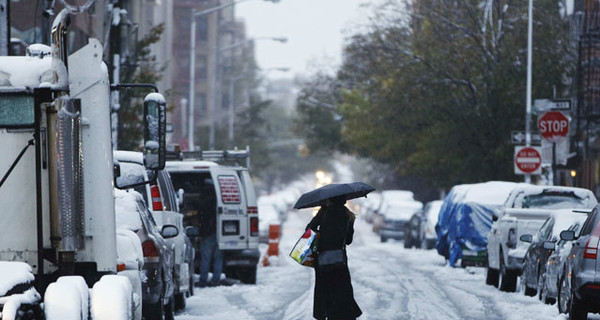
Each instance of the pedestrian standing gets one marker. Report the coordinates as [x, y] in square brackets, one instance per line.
[209, 246]
[334, 296]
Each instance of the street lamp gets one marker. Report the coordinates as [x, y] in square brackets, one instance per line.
[196, 14]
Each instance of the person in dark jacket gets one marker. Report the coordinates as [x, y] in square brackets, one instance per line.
[334, 296]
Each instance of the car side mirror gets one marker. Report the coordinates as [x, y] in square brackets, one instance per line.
[567, 235]
[526, 238]
[155, 119]
[192, 232]
[549, 245]
[169, 231]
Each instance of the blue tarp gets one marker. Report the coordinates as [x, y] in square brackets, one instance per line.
[465, 218]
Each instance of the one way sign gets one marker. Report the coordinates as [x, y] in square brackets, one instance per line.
[518, 137]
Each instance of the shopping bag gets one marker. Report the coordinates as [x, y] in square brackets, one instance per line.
[305, 250]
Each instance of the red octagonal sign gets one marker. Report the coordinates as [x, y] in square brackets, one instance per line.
[553, 125]
[527, 160]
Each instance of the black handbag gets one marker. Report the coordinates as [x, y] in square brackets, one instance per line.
[333, 259]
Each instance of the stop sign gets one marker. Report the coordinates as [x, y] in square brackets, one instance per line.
[553, 125]
[528, 160]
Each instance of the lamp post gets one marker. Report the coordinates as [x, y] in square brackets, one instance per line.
[191, 105]
[528, 102]
[214, 86]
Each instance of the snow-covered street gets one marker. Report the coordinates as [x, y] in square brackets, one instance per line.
[390, 282]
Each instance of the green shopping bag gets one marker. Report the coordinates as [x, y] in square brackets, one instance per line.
[305, 250]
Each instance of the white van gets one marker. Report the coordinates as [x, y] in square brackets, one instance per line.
[229, 191]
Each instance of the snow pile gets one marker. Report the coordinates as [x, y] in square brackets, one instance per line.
[12, 303]
[126, 210]
[129, 249]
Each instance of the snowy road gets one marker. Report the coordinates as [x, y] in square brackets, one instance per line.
[390, 282]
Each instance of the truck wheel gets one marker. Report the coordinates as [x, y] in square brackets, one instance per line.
[114, 291]
[248, 275]
[491, 277]
[54, 301]
[508, 279]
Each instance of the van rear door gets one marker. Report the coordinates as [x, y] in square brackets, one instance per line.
[232, 218]
[252, 208]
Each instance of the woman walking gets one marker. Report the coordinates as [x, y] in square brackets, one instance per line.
[334, 297]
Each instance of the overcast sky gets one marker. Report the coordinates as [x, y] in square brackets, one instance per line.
[315, 30]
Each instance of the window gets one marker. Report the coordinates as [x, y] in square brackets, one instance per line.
[230, 189]
[17, 111]
[589, 224]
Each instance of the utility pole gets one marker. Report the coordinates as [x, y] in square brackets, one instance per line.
[528, 102]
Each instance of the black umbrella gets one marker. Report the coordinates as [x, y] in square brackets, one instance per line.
[318, 197]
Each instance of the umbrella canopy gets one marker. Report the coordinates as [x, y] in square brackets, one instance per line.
[318, 197]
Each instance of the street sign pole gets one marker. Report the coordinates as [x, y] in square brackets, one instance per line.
[554, 177]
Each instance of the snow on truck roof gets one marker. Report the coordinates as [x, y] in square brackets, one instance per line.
[188, 165]
[22, 71]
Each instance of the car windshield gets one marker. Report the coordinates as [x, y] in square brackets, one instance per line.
[554, 201]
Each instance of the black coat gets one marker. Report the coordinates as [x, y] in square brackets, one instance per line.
[334, 296]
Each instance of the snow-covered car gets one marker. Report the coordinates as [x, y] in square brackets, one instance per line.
[393, 217]
[580, 288]
[421, 227]
[542, 245]
[132, 214]
[369, 206]
[163, 202]
[465, 220]
[524, 211]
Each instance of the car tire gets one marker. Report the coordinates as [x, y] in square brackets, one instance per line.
[248, 275]
[383, 239]
[491, 277]
[169, 309]
[564, 295]
[577, 310]
[180, 301]
[530, 292]
[507, 281]
[153, 311]
[543, 290]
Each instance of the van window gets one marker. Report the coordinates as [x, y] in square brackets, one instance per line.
[167, 192]
[230, 189]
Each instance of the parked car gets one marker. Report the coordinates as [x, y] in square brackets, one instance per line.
[369, 206]
[411, 230]
[524, 212]
[580, 287]
[542, 245]
[427, 235]
[132, 214]
[229, 189]
[163, 203]
[465, 221]
[555, 268]
[393, 217]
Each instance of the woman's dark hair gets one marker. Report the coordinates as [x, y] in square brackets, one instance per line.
[339, 200]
